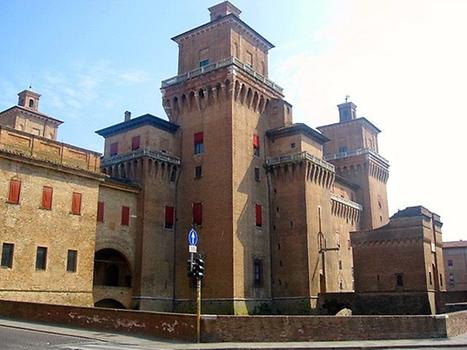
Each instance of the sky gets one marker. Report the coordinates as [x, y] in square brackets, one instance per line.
[403, 63]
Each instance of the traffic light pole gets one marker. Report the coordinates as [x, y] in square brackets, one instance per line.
[198, 310]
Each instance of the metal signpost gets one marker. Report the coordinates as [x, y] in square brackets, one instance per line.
[196, 270]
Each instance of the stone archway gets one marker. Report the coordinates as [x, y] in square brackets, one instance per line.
[111, 268]
[110, 304]
[112, 279]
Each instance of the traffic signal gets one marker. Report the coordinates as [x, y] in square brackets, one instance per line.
[198, 267]
[190, 271]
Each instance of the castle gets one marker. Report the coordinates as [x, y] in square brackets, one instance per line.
[273, 201]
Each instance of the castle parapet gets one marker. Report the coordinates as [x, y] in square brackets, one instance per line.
[40, 148]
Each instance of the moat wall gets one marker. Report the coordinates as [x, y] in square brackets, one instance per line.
[241, 328]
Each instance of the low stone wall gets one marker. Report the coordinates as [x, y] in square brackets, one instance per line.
[456, 323]
[154, 324]
[321, 328]
[241, 328]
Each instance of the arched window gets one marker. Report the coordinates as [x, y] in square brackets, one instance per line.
[31, 103]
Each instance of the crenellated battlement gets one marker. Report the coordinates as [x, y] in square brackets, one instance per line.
[317, 170]
[345, 208]
[143, 162]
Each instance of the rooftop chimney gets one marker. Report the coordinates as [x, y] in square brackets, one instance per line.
[223, 9]
[127, 115]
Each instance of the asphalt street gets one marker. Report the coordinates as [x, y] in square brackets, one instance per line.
[22, 339]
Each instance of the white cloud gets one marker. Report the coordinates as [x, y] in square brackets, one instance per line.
[85, 85]
[403, 63]
[136, 76]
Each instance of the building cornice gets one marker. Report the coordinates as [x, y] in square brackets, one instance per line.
[361, 120]
[228, 19]
[146, 119]
[49, 164]
[297, 128]
[27, 111]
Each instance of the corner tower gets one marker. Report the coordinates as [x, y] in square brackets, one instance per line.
[219, 99]
[353, 150]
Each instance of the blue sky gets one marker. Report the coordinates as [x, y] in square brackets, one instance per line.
[402, 62]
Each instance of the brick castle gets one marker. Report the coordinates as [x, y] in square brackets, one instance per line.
[274, 202]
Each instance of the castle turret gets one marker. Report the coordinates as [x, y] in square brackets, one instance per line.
[219, 100]
[353, 149]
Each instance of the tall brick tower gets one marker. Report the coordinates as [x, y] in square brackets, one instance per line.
[219, 100]
[353, 150]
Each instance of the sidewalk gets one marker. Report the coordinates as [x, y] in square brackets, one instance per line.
[459, 342]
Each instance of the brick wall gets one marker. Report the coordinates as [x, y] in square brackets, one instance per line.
[456, 323]
[242, 328]
[161, 325]
[323, 328]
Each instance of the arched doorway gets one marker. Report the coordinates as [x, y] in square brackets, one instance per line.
[111, 268]
[109, 303]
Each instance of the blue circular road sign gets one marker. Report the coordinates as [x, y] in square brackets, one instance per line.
[192, 237]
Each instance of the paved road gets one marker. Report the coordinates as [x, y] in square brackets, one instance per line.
[22, 339]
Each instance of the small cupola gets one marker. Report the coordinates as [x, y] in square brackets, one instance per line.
[29, 99]
[223, 9]
[347, 111]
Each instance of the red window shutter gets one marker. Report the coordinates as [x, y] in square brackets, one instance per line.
[125, 216]
[100, 211]
[198, 138]
[169, 217]
[198, 213]
[114, 148]
[15, 190]
[259, 215]
[47, 193]
[255, 141]
[76, 203]
[135, 142]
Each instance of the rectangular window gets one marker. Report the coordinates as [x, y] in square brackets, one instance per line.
[340, 264]
[256, 145]
[71, 260]
[41, 258]
[399, 280]
[342, 149]
[258, 272]
[76, 203]
[125, 216]
[198, 213]
[47, 193]
[135, 142]
[198, 143]
[169, 217]
[114, 149]
[430, 278]
[100, 211]
[257, 175]
[15, 190]
[450, 263]
[259, 215]
[249, 58]
[204, 63]
[441, 279]
[198, 171]
[7, 255]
